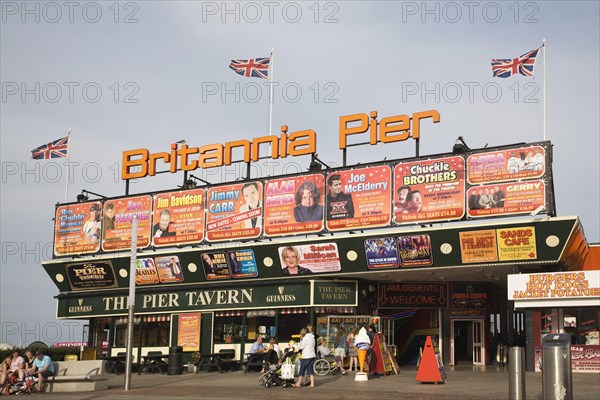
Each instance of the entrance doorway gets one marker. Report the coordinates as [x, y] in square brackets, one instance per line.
[467, 342]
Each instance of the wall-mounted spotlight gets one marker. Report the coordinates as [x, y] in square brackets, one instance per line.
[190, 183]
[83, 196]
[199, 179]
[460, 147]
[315, 164]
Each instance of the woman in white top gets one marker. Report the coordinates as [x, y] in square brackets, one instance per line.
[307, 345]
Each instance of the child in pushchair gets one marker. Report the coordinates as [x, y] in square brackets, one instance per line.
[280, 373]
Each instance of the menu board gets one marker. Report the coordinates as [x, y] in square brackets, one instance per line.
[188, 331]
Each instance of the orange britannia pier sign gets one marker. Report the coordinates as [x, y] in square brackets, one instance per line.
[139, 163]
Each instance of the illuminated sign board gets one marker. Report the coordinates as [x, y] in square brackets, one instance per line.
[413, 295]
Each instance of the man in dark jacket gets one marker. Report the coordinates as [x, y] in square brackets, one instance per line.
[339, 203]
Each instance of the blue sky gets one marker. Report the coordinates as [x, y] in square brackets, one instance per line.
[143, 74]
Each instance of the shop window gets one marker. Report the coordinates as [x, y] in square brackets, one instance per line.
[262, 326]
[121, 333]
[582, 325]
[290, 324]
[549, 321]
[154, 334]
[228, 329]
[99, 335]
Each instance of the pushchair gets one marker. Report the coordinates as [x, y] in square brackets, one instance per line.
[281, 373]
[14, 386]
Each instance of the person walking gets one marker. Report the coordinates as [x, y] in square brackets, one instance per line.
[307, 345]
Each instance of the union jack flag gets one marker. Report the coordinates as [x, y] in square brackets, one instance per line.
[56, 149]
[255, 67]
[505, 67]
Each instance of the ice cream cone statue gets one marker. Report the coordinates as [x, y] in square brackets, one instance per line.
[362, 343]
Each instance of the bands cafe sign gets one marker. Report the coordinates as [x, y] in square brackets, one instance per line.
[139, 163]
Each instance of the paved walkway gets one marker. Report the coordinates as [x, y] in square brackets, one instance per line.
[467, 383]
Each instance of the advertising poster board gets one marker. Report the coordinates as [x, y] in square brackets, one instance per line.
[431, 368]
[415, 250]
[215, 266]
[382, 363]
[516, 243]
[506, 198]
[188, 331]
[294, 205]
[429, 190]
[91, 275]
[585, 358]
[234, 211]
[242, 263]
[361, 199]
[169, 269]
[77, 228]
[478, 246]
[309, 259]
[145, 272]
[116, 233]
[381, 253]
[178, 218]
[506, 165]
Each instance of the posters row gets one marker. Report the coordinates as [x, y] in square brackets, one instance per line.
[431, 190]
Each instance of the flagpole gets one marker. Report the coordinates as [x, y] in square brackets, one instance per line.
[68, 165]
[271, 68]
[544, 86]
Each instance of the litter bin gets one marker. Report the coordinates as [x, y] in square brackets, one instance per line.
[516, 374]
[557, 378]
[175, 366]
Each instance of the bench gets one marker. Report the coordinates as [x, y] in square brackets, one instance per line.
[154, 361]
[77, 376]
[227, 360]
[259, 360]
[223, 360]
